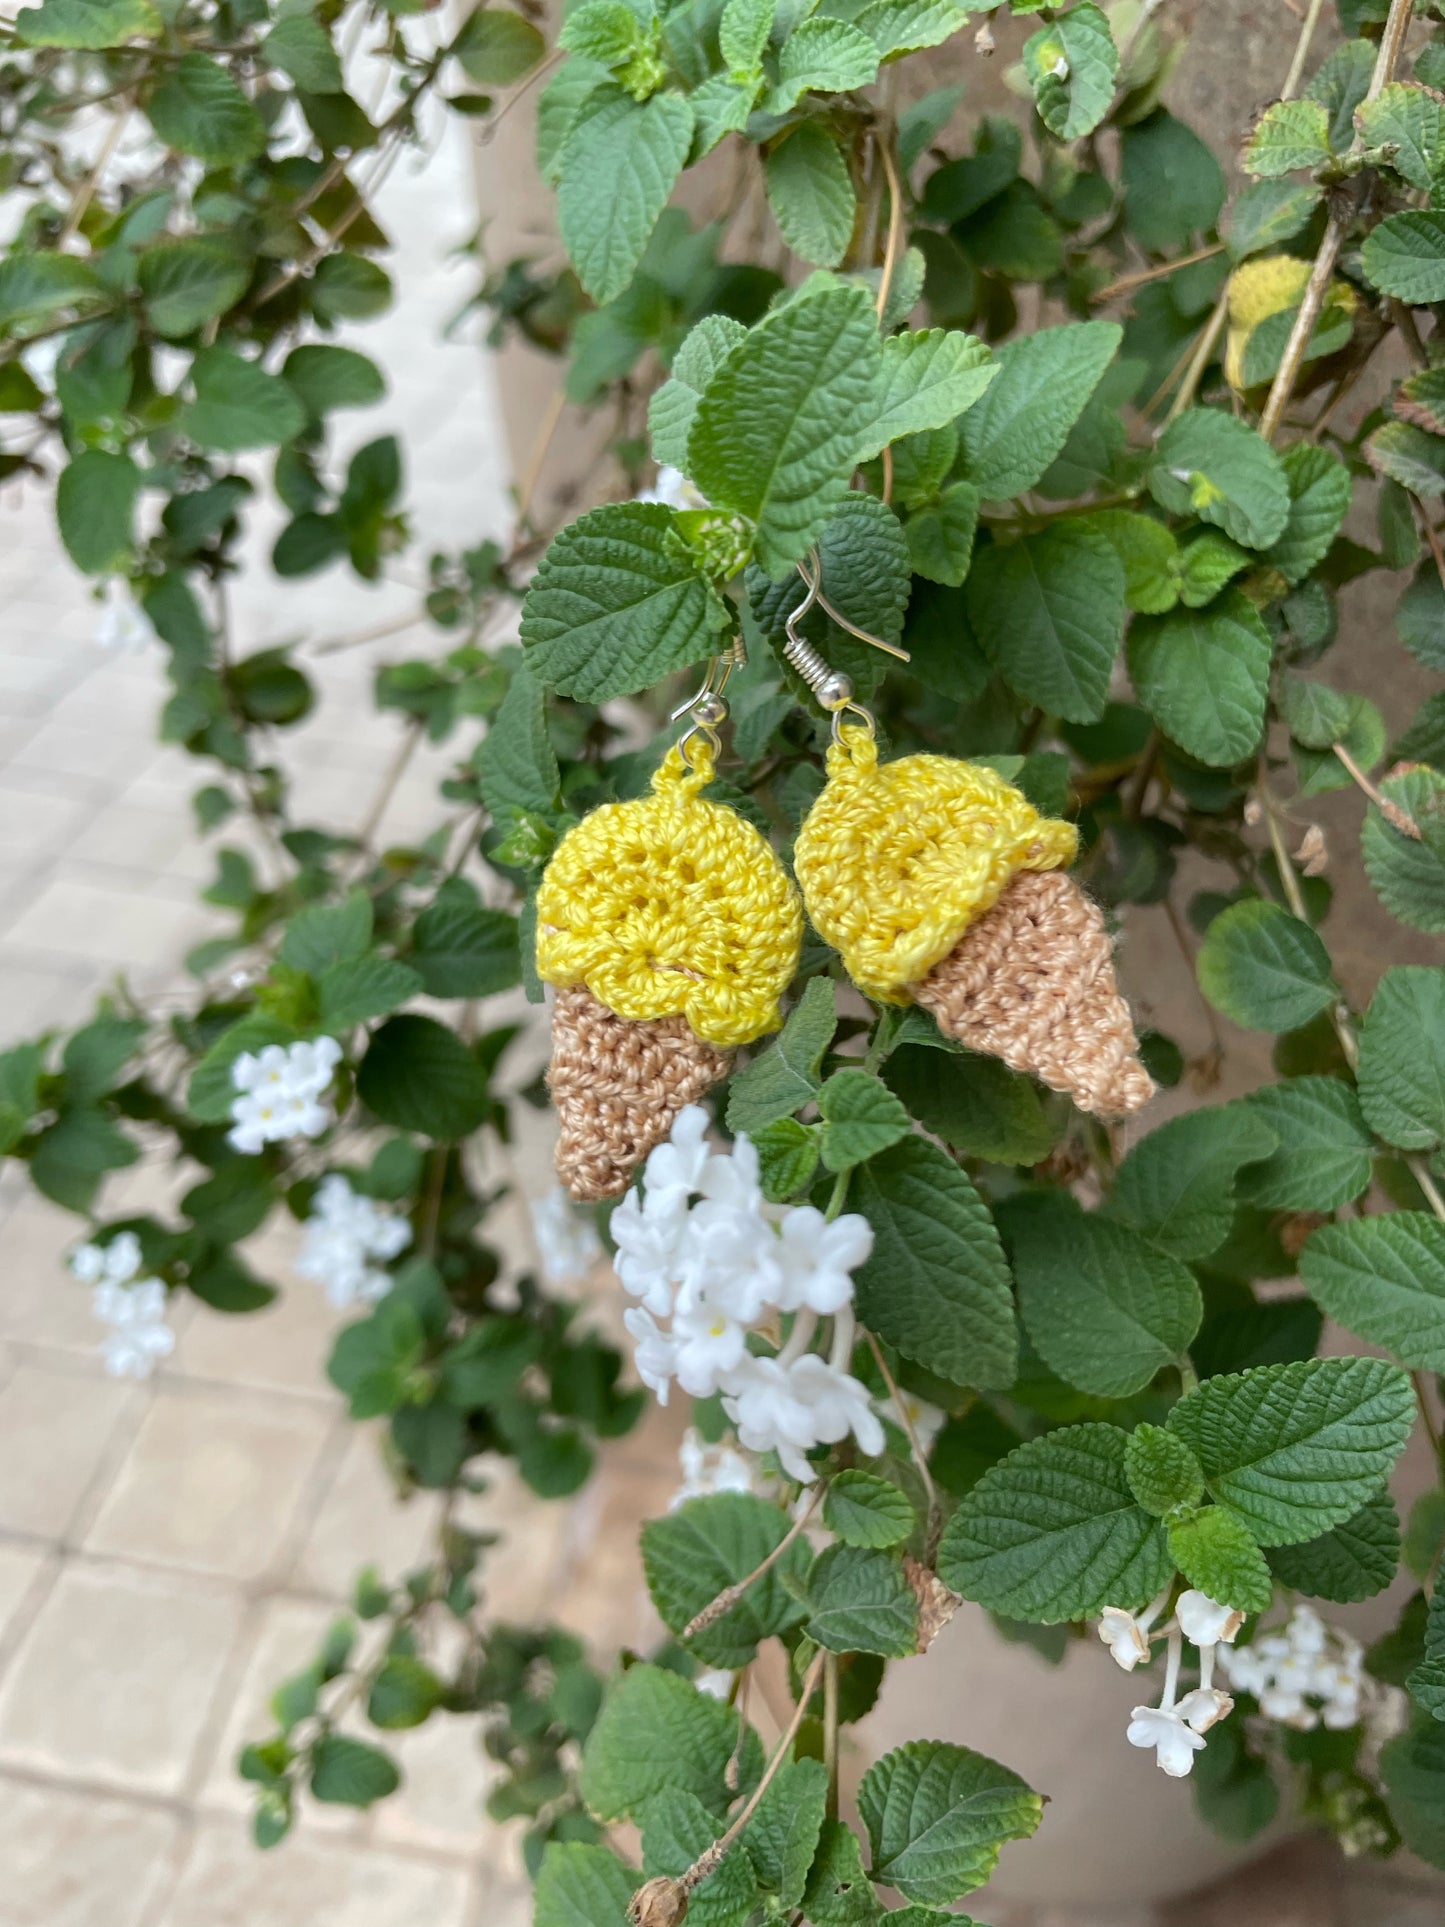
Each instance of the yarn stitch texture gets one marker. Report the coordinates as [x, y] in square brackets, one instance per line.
[672, 906]
[896, 862]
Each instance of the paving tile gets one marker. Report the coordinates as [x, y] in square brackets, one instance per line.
[55, 1428]
[114, 1679]
[500, 1902]
[309, 1882]
[361, 1522]
[109, 925]
[75, 1859]
[211, 1482]
[41, 1303]
[283, 1347]
[34, 826]
[20, 1574]
[36, 996]
[90, 757]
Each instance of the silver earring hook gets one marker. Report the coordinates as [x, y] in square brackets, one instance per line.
[833, 690]
[708, 708]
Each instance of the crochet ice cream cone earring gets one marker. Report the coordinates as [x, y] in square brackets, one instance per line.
[940, 884]
[670, 930]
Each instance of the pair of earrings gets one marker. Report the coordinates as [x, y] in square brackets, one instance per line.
[671, 930]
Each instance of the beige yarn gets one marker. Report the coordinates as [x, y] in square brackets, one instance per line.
[1032, 982]
[617, 1085]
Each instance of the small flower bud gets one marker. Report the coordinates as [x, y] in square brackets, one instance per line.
[658, 1903]
[983, 40]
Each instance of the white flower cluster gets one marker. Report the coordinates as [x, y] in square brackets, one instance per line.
[673, 490]
[124, 626]
[280, 1093]
[707, 1469]
[344, 1234]
[704, 1250]
[133, 1307]
[1176, 1727]
[567, 1240]
[1307, 1674]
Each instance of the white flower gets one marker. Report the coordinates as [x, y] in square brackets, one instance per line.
[818, 1258]
[649, 1237]
[343, 1233]
[709, 1346]
[280, 1091]
[1174, 1742]
[124, 626]
[656, 1354]
[567, 1240]
[927, 1420]
[116, 1263]
[769, 1416]
[139, 1336]
[707, 1469]
[714, 1682]
[1204, 1707]
[1307, 1632]
[1305, 1676]
[1124, 1637]
[673, 490]
[735, 1181]
[1204, 1622]
[839, 1404]
[674, 1168]
[731, 1259]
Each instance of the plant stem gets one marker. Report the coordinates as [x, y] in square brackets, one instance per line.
[1127, 282]
[1294, 896]
[1398, 819]
[730, 1595]
[920, 1457]
[830, 1729]
[894, 243]
[1301, 50]
[1199, 360]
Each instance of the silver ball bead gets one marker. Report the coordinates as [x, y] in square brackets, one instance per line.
[709, 711]
[835, 689]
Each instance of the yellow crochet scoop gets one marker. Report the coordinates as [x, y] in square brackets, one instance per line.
[939, 883]
[671, 930]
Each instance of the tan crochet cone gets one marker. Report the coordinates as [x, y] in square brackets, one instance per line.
[617, 1086]
[1032, 982]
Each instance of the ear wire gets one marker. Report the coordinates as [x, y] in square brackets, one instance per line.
[708, 708]
[833, 689]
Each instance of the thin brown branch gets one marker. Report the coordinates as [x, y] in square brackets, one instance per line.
[1398, 819]
[893, 245]
[1302, 50]
[1128, 282]
[730, 1595]
[920, 1457]
[1198, 361]
[532, 475]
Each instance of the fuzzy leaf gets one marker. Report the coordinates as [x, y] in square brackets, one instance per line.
[1289, 134]
[1384, 1280]
[670, 413]
[1264, 968]
[1402, 1058]
[1048, 612]
[657, 1732]
[1405, 256]
[1177, 1185]
[1209, 464]
[1323, 1155]
[785, 1076]
[619, 165]
[929, 379]
[810, 191]
[937, 1816]
[1351, 1561]
[708, 1544]
[1071, 66]
[1203, 675]
[1043, 386]
[1408, 873]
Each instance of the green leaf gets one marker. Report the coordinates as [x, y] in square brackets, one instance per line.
[1410, 456]
[1267, 213]
[73, 1154]
[1265, 969]
[1071, 66]
[785, 1076]
[327, 378]
[720, 106]
[1427, 1681]
[1315, 714]
[95, 1056]
[210, 1094]
[327, 933]
[91, 24]
[617, 604]
[579, 1885]
[1351, 1561]
[709, 1544]
[1323, 1159]
[33, 286]
[1402, 1058]
[1205, 564]
[199, 109]
[1215, 1552]
[350, 1773]
[1149, 554]
[1384, 1280]
[1420, 398]
[238, 405]
[1203, 675]
[823, 57]
[1044, 382]
[1405, 256]
[1296, 1449]
[940, 537]
[1408, 873]
[860, 1118]
[300, 46]
[619, 165]
[497, 46]
[1342, 82]
[1173, 185]
[515, 763]
[743, 34]
[348, 287]
[1319, 489]
[1412, 122]
[1177, 1185]
[775, 436]
[657, 1732]
[1048, 612]
[364, 987]
[405, 1692]
[462, 949]
[1162, 1471]
[782, 1836]
[937, 1816]
[975, 1104]
[864, 560]
[810, 191]
[1290, 134]
[937, 1285]
[929, 379]
[788, 1157]
[185, 284]
[1208, 464]
[864, 1510]
[1105, 1309]
[1412, 1766]
[1053, 1532]
[420, 1076]
[671, 410]
[676, 1828]
[859, 1602]
[95, 502]
[838, 1891]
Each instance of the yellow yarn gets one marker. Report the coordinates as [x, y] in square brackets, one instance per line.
[895, 863]
[672, 906]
